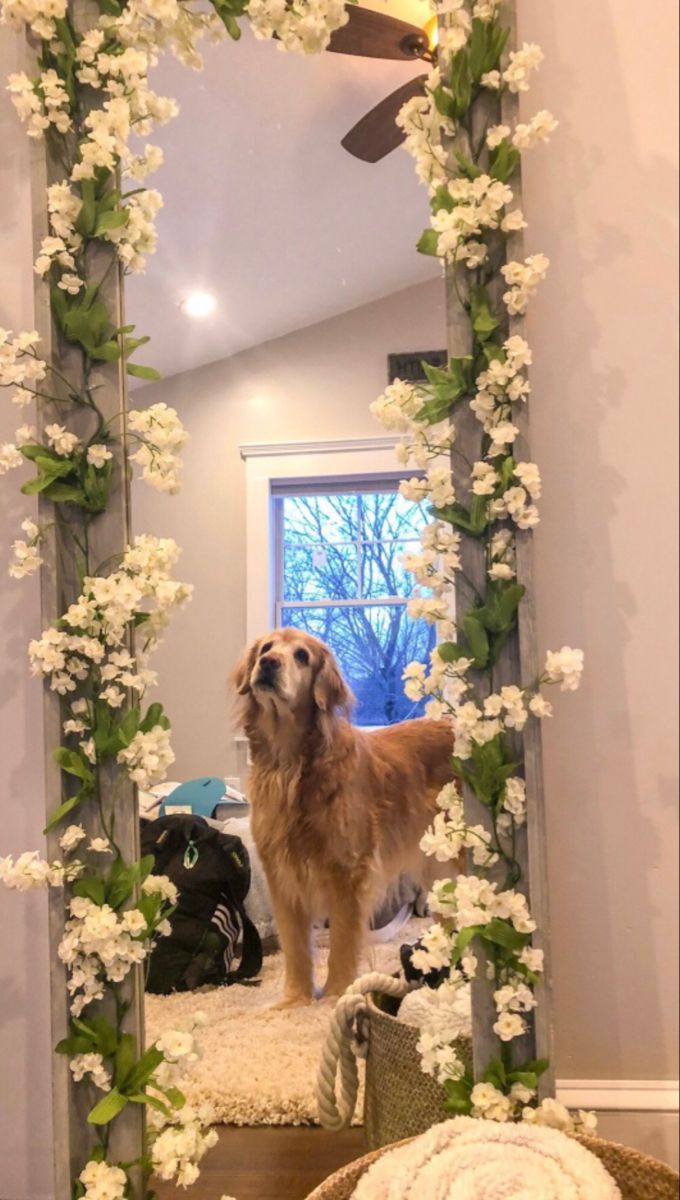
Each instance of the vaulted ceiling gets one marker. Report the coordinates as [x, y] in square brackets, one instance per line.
[264, 208]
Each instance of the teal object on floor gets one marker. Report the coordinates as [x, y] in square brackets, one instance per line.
[198, 796]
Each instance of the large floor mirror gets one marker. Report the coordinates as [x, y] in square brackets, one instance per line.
[275, 319]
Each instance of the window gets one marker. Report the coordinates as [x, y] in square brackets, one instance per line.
[339, 577]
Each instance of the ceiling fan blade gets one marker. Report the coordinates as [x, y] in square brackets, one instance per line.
[377, 35]
[377, 134]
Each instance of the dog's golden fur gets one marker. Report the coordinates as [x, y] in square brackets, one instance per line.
[337, 813]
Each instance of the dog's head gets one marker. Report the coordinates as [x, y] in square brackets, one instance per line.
[293, 672]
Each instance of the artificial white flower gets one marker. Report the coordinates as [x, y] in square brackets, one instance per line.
[92, 1065]
[103, 1182]
[100, 845]
[489, 1103]
[71, 837]
[496, 134]
[565, 667]
[61, 441]
[538, 129]
[98, 455]
[522, 63]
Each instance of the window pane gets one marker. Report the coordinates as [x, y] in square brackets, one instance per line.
[383, 574]
[320, 572]
[330, 518]
[373, 643]
[389, 515]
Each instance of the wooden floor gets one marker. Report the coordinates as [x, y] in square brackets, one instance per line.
[269, 1163]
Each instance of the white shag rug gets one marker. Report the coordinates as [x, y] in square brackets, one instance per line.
[259, 1064]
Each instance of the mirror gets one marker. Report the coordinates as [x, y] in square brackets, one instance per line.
[286, 276]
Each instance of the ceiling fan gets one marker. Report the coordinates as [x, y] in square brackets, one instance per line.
[378, 35]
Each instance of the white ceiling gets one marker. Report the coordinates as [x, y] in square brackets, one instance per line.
[265, 209]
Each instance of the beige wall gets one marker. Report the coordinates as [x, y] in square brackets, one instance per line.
[601, 203]
[314, 384]
[25, 1135]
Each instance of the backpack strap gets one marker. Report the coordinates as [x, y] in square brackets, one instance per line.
[251, 949]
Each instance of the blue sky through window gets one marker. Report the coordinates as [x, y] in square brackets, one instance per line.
[340, 578]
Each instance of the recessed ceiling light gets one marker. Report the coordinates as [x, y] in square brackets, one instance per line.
[198, 304]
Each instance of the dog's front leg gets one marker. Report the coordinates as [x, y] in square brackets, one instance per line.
[294, 926]
[348, 924]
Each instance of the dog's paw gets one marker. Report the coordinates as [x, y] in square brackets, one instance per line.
[291, 1002]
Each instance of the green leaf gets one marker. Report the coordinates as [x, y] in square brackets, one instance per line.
[109, 220]
[484, 322]
[450, 652]
[501, 605]
[58, 304]
[141, 372]
[129, 726]
[154, 716]
[53, 466]
[90, 889]
[105, 1033]
[445, 102]
[126, 1060]
[496, 1074]
[458, 1096]
[62, 493]
[61, 812]
[108, 351]
[34, 450]
[85, 221]
[427, 242]
[503, 161]
[152, 1101]
[34, 486]
[176, 1098]
[73, 764]
[141, 1074]
[460, 82]
[467, 167]
[442, 199]
[107, 1109]
[477, 639]
[502, 933]
[73, 1045]
[463, 940]
[121, 883]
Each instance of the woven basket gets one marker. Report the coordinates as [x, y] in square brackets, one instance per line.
[638, 1177]
[401, 1102]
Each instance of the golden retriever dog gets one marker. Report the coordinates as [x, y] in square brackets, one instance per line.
[337, 812]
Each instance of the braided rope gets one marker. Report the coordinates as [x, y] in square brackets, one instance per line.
[339, 1055]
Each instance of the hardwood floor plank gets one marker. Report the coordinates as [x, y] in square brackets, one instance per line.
[270, 1163]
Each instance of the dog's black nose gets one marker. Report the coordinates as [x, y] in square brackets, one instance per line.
[269, 665]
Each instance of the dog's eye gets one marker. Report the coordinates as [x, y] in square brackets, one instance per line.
[266, 648]
[302, 657]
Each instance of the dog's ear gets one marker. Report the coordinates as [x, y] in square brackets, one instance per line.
[245, 669]
[330, 690]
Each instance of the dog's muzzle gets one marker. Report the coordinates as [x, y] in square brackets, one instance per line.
[268, 673]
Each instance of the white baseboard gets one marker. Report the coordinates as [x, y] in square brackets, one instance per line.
[620, 1095]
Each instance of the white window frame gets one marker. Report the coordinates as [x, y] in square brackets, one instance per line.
[323, 462]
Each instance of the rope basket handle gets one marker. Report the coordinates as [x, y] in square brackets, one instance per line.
[339, 1055]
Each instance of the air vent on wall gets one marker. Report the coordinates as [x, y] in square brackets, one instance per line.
[409, 366]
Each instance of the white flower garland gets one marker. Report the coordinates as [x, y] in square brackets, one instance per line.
[473, 213]
[88, 95]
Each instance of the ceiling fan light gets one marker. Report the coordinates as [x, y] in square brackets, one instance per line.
[431, 31]
[198, 304]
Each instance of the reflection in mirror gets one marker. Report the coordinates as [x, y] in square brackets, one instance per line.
[286, 276]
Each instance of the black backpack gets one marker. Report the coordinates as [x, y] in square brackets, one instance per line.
[211, 871]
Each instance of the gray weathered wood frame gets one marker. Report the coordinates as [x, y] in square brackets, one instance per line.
[109, 535]
[519, 660]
